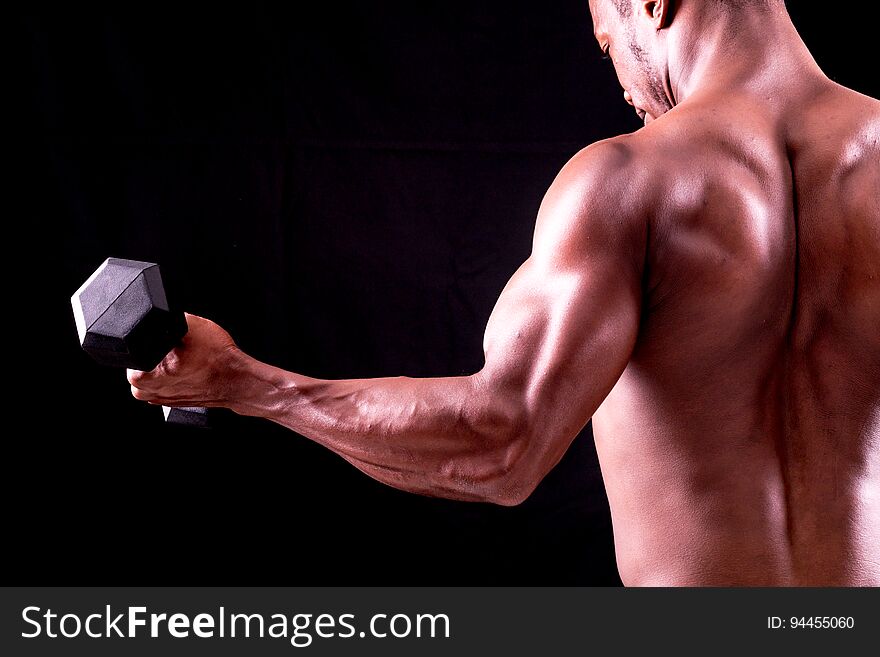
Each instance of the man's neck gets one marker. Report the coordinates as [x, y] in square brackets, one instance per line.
[754, 48]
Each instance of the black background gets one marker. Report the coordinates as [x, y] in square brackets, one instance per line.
[346, 189]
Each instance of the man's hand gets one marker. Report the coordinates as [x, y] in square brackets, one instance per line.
[198, 372]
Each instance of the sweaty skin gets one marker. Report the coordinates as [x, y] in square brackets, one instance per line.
[707, 289]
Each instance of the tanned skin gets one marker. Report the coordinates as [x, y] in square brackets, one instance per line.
[707, 289]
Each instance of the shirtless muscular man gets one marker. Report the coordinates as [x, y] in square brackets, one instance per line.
[706, 289]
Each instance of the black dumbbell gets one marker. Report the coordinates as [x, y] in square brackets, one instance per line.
[124, 320]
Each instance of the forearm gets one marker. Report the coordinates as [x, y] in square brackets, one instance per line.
[443, 437]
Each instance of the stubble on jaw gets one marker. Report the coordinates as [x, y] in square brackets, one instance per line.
[654, 84]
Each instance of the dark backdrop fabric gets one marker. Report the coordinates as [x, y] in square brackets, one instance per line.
[346, 189]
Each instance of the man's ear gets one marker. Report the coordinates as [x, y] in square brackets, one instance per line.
[658, 12]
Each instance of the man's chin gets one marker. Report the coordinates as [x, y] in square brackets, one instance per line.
[644, 116]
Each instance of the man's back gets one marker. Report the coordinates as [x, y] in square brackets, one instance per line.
[742, 442]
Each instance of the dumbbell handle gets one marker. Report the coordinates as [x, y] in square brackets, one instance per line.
[190, 416]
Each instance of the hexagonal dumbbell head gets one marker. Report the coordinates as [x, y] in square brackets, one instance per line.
[122, 315]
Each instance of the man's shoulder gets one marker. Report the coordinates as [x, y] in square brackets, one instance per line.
[608, 178]
[619, 184]
[634, 163]
[597, 202]
[602, 160]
